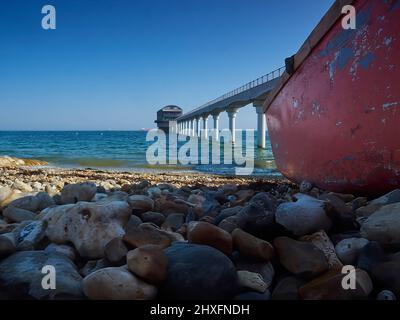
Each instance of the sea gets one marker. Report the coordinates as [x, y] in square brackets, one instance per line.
[115, 151]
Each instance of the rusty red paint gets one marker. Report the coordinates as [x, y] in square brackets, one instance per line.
[336, 122]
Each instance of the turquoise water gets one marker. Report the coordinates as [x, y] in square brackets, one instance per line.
[120, 150]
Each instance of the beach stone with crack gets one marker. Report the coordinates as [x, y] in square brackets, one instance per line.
[88, 225]
[348, 249]
[265, 269]
[21, 276]
[116, 283]
[321, 240]
[140, 204]
[7, 244]
[154, 217]
[306, 215]
[28, 234]
[198, 272]
[251, 280]
[115, 251]
[145, 234]
[149, 262]
[300, 258]
[329, 287]
[207, 234]
[18, 215]
[73, 193]
[252, 247]
[383, 226]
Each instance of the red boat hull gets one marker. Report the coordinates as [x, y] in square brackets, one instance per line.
[336, 121]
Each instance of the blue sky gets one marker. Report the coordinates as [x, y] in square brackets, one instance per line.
[111, 64]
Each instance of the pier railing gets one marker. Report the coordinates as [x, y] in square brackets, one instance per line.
[252, 84]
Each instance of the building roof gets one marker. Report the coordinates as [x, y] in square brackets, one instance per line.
[171, 108]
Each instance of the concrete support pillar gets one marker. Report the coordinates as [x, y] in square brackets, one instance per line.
[198, 127]
[232, 122]
[205, 129]
[216, 126]
[192, 132]
[261, 125]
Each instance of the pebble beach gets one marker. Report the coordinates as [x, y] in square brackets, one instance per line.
[177, 236]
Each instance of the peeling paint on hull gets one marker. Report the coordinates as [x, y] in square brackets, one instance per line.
[344, 132]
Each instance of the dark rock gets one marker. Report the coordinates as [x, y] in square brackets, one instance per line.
[341, 214]
[94, 265]
[198, 272]
[134, 221]
[389, 198]
[300, 258]
[383, 226]
[386, 295]
[29, 234]
[17, 214]
[254, 219]
[370, 255]
[21, 276]
[115, 251]
[265, 200]
[229, 224]
[173, 221]
[7, 244]
[140, 204]
[253, 296]
[288, 289]
[154, 217]
[387, 275]
[34, 203]
[226, 213]
[305, 186]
